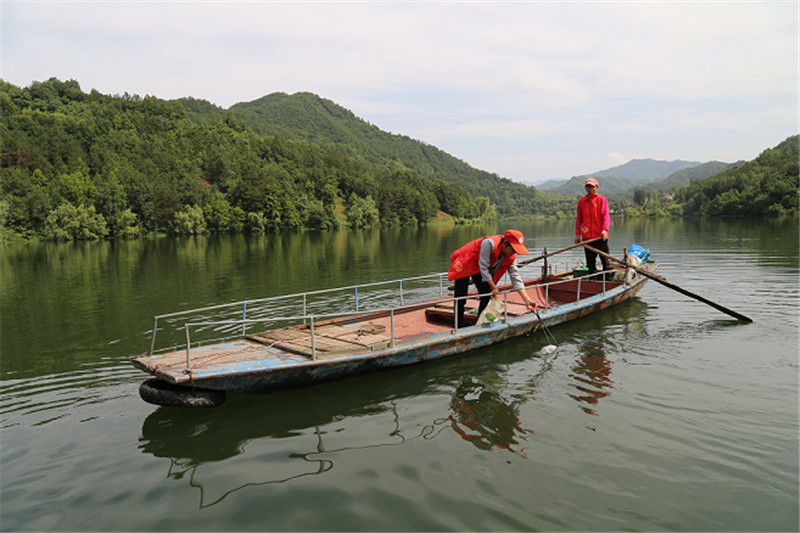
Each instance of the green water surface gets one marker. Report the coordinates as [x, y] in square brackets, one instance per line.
[660, 414]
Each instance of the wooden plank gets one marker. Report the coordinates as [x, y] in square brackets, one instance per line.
[208, 356]
[330, 338]
[296, 340]
[368, 335]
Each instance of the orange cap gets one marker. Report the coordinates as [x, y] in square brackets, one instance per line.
[592, 182]
[516, 239]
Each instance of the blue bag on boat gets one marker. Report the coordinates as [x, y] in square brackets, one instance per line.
[642, 255]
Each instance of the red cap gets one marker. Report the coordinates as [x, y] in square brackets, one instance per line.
[516, 239]
[591, 181]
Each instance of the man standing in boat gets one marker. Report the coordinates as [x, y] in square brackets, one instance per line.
[593, 221]
[483, 262]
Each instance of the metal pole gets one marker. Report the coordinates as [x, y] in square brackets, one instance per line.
[401, 292]
[356, 292]
[579, 289]
[313, 346]
[153, 336]
[544, 267]
[505, 307]
[625, 266]
[441, 287]
[391, 324]
[305, 301]
[188, 344]
[244, 318]
[455, 315]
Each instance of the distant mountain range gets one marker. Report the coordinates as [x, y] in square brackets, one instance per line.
[638, 173]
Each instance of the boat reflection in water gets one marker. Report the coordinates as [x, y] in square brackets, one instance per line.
[484, 410]
[190, 438]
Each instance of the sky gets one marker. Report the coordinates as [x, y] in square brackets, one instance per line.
[527, 90]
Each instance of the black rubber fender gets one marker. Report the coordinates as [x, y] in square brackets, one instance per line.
[160, 392]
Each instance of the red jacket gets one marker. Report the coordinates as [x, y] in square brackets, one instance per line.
[593, 216]
[464, 261]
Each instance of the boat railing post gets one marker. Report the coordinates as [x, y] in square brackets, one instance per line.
[455, 315]
[153, 336]
[305, 306]
[546, 295]
[505, 307]
[313, 346]
[579, 290]
[356, 293]
[188, 346]
[244, 318]
[441, 286]
[401, 292]
[604, 282]
[544, 267]
[391, 324]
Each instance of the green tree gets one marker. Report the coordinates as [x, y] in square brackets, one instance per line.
[256, 222]
[189, 221]
[79, 223]
[361, 212]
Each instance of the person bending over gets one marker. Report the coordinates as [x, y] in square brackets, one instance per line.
[483, 262]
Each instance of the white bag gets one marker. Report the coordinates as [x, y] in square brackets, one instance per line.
[493, 311]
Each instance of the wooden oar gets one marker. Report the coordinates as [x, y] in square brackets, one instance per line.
[655, 277]
[529, 261]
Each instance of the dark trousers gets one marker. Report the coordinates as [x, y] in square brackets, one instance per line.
[462, 288]
[591, 257]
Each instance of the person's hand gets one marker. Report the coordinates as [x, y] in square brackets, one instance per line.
[604, 235]
[531, 305]
[577, 239]
[494, 290]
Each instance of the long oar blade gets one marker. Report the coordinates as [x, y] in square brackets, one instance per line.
[655, 277]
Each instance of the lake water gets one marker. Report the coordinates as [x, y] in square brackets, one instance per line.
[660, 414]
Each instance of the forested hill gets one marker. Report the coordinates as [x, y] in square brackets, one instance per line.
[309, 117]
[688, 175]
[767, 185]
[76, 165]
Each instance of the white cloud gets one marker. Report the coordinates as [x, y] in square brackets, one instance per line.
[617, 159]
[572, 82]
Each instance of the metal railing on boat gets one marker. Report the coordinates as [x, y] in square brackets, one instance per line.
[312, 318]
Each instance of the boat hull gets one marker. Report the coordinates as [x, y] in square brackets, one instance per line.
[273, 370]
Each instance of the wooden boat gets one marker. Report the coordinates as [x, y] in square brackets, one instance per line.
[403, 323]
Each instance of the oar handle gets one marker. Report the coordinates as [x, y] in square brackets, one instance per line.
[582, 243]
[655, 277]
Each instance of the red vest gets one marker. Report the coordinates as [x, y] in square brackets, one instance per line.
[464, 261]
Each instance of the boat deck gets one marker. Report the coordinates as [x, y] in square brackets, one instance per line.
[355, 335]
